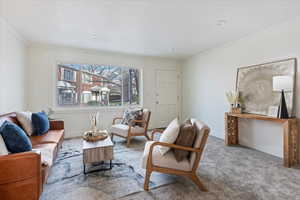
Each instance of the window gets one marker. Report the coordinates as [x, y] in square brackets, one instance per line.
[86, 78]
[68, 74]
[97, 85]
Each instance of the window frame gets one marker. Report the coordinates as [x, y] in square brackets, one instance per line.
[79, 107]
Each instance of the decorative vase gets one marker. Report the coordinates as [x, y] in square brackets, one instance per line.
[94, 119]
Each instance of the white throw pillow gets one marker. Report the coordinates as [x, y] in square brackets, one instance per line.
[3, 149]
[169, 135]
[25, 120]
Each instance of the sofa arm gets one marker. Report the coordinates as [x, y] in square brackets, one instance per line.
[20, 172]
[19, 166]
[57, 124]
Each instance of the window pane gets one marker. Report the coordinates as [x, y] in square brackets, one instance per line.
[131, 79]
[67, 87]
[96, 85]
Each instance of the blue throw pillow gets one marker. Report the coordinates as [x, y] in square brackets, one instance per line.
[15, 138]
[40, 123]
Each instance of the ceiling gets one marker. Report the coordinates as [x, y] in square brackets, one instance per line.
[167, 28]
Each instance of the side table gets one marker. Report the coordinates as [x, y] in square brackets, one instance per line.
[95, 152]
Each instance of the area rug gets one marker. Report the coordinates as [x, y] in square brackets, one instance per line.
[228, 173]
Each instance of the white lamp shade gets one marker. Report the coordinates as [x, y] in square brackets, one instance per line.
[282, 83]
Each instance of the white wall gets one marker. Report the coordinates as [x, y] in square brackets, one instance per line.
[208, 75]
[12, 69]
[43, 60]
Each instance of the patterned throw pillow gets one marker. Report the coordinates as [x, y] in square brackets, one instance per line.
[140, 117]
[132, 114]
[186, 137]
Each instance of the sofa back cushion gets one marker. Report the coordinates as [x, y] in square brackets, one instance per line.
[15, 138]
[201, 129]
[146, 115]
[40, 123]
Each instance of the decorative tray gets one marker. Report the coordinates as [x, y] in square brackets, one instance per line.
[91, 136]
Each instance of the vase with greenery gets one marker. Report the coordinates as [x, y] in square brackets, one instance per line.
[234, 100]
[94, 119]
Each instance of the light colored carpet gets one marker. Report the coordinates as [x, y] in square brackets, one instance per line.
[228, 172]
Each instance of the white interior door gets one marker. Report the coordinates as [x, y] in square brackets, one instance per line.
[167, 97]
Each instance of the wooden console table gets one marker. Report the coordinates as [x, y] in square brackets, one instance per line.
[290, 134]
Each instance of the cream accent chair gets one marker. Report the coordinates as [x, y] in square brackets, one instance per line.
[128, 131]
[153, 160]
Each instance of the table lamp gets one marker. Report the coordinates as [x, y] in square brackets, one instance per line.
[282, 84]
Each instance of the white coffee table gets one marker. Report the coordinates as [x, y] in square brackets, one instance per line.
[96, 152]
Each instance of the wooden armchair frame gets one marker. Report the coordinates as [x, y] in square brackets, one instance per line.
[131, 134]
[189, 174]
[156, 130]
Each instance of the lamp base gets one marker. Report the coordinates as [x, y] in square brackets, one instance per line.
[282, 109]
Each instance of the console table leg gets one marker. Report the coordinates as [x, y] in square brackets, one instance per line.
[231, 130]
[290, 143]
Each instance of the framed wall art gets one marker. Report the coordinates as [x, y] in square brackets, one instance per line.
[255, 85]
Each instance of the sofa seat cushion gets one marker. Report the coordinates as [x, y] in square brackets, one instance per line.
[167, 160]
[52, 136]
[47, 151]
[122, 129]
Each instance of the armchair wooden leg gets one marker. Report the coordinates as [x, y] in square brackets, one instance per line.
[128, 141]
[147, 179]
[147, 136]
[197, 181]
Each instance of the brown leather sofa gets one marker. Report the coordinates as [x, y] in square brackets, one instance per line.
[22, 175]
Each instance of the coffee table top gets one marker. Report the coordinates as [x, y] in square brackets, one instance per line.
[98, 144]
